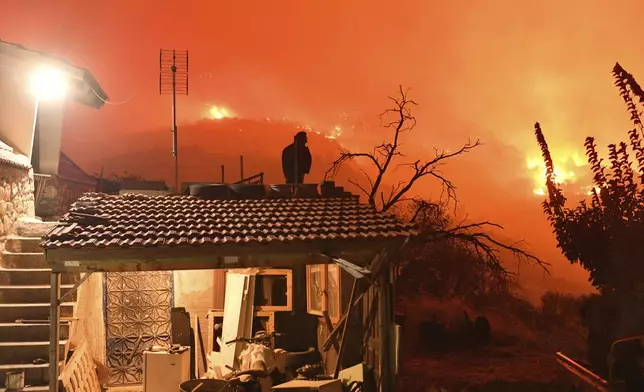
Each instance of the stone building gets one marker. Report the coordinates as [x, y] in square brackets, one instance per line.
[61, 190]
[34, 91]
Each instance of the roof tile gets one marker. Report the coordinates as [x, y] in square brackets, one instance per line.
[108, 221]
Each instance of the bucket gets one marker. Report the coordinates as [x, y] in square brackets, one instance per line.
[14, 381]
[209, 385]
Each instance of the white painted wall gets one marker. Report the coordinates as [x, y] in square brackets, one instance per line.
[17, 108]
[17, 116]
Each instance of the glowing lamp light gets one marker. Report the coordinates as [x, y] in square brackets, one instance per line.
[48, 83]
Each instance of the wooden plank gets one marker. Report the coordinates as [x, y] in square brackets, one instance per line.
[202, 349]
[250, 255]
[236, 285]
[247, 310]
[329, 329]
[79, 374]
[338, 364]
[327, 343]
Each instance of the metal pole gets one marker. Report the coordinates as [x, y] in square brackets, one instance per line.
[175, 146]
[241, 167]
[54, 331]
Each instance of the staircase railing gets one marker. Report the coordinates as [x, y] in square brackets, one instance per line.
[40, 180]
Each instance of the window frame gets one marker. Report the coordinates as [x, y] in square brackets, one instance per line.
[324, 297]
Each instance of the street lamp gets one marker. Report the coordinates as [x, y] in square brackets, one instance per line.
[48, 83]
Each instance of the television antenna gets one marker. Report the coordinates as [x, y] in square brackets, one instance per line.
[173, 79]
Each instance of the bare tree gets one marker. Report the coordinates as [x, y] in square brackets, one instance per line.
[385, 158]
[400, 119]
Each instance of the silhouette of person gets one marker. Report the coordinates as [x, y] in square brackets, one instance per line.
[296, 157]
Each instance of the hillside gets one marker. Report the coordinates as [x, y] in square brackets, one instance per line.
[208, 144]
[203, 147]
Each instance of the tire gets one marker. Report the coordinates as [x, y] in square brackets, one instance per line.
[297, 359]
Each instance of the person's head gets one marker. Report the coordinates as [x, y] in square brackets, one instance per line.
[300, 138]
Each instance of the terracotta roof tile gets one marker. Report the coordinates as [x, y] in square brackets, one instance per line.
[106, 221]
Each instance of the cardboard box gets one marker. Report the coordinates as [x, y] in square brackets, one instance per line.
[306, 386]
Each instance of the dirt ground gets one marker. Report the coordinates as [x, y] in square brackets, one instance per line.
[518, 358]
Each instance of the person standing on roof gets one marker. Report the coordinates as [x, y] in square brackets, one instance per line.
[296, 159]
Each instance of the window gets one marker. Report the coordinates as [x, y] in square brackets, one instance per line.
[323, 290]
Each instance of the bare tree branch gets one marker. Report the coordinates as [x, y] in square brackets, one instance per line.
[428, 216]
[400, 119]
[384, 154]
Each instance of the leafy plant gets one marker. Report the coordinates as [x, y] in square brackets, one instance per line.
[605, 234]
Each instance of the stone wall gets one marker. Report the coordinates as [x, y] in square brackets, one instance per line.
[16, 196]
[58, 195]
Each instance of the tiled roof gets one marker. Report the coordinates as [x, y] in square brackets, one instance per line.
[139, 221]
[11, 158]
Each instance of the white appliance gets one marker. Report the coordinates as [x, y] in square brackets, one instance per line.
[163, 371]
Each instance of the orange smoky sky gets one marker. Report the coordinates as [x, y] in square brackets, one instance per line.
[479, 69]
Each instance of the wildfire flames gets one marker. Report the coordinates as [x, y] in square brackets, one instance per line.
[567, 169]
[218, 112]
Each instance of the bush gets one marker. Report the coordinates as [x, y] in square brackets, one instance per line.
[560, 310]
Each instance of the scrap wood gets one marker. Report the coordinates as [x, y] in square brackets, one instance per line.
[338, 363]
[238, 314]
[329, 328]
[376, 270]
[203, 350]
[333, 335]
[371, 319]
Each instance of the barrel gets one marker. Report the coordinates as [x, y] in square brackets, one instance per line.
[209, 385]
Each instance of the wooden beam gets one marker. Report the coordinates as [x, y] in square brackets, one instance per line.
[267, 261]
[378, 260]
[327, 343]
[329, 329]
[225, 254]
[343, 344]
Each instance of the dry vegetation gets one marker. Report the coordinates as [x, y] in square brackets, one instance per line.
[519, 357]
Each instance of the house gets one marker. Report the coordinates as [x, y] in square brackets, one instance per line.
[157, 252]
[34, 90]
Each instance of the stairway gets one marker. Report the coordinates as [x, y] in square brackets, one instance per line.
[24, 295]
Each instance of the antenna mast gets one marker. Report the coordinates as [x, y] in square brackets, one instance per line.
[173, 79]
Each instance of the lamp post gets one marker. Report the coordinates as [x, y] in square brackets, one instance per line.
[49, 84]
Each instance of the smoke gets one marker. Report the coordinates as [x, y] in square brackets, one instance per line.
[484, 70]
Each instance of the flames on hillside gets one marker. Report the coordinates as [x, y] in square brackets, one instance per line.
[571, 173]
